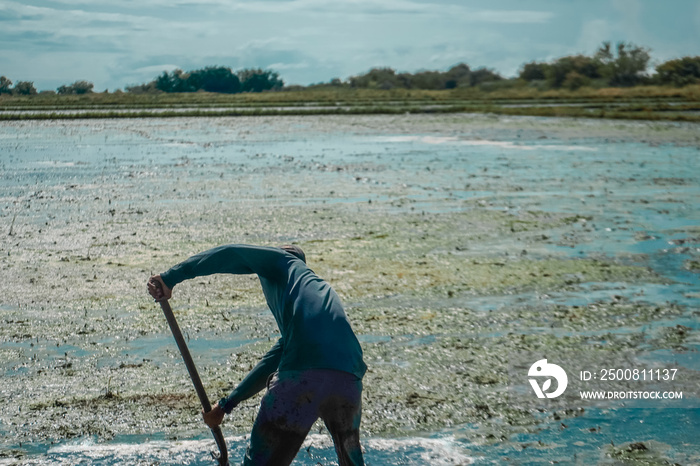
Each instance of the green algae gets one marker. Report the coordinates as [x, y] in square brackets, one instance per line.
[82, 338]
[693, 265]
[647, 453]
[432, 384]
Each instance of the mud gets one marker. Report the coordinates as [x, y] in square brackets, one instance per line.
[455, 241]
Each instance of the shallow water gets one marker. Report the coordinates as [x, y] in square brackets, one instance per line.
[316, 449]
[448, 237]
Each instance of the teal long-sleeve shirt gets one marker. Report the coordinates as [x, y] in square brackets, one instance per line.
[316, 333]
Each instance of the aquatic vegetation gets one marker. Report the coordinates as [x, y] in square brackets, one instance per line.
[639, 453]
[456, 241]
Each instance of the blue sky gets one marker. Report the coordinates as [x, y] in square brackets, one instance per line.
[115, 43]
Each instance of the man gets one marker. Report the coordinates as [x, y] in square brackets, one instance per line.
[314, 370]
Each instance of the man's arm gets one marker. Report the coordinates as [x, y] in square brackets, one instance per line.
[251, 384]
[233, 258]
[255, 380]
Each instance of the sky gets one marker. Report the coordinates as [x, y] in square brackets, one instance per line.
[117, 43]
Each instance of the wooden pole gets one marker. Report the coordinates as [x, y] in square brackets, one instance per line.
[196, 381]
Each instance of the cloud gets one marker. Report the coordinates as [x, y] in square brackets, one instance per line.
[293, 65]
[153, 70]
[61, 27]
[9, 12]
[593, 33]
[511, 16]
[342, 8]
[120, 42]
[392, 7]
[629, 9]
[70, 16]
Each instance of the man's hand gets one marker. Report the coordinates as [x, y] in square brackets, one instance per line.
[158, 289]
[215, 417]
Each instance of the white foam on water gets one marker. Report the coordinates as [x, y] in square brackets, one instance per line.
[159, 452]
[482, 142]
[317, 448]
[56, 163]
[422, 451]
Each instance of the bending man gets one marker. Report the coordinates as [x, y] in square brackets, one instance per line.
[314, 370]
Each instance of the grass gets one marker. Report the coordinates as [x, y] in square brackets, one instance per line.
[642, 102]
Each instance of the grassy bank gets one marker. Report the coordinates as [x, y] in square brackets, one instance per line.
[637, 103]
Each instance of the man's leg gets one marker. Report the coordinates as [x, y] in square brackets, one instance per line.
[272, 446]
[342, 414]
[286, 414]
[291, 405]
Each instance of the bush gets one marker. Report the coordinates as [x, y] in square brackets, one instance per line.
[258, 80]
[582, 65]
[575, 81]
[679, 72]
[503, 85]
[78, 87]
[534, 71]
[628, 69]
[24, 88]
[5, 85]
[218, 79]
[456, 77]
[149, 88]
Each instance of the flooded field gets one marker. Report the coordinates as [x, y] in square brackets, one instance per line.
[465, 247]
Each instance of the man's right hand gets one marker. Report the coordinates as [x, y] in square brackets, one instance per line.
[215, 417]
[158, 289]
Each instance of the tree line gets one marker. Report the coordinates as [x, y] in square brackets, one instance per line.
[21, 88]
[212, 79]
[622, 65]
[27, 88]
[460, 75]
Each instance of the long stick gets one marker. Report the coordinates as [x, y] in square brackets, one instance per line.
[196, 381]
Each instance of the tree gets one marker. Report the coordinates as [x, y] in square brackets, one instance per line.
[679, 72]
[458, 76]
[558, 71]
[484, 75]
[534, 71]
[179, 82]
[377, 78]
[575, 81]
[5, 85]
[404, 80]
[428, 80]
[176, 81]
[149, 88]
[78, 87]
[215, 79]
[163, 82]
[258, 80]
[628, 68]
[24, 88]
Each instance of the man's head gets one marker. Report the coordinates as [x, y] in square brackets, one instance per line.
[295, 250]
